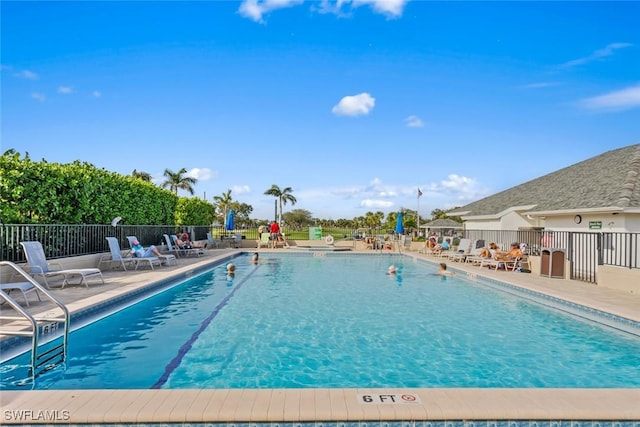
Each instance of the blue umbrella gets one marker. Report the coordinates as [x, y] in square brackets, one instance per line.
[230, 221]
[399, 225]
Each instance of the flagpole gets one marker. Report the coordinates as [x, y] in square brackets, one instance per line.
[418, 212]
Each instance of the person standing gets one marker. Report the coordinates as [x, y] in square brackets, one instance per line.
[274, 229]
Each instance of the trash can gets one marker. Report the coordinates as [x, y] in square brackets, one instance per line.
[552, 263]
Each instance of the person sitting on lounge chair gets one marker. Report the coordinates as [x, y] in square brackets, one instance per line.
[489, 252]
[138, 251]
[183, 242]
[514, 253]
[444, 246]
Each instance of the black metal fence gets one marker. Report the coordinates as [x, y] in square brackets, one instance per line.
[584, 250]
[60, 241]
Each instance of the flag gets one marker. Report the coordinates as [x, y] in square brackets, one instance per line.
[419, 192]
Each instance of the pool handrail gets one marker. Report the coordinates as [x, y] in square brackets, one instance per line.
[34, 321]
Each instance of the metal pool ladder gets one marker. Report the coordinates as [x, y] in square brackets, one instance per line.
[37, 326]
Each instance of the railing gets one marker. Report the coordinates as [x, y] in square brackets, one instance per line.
[585, 250]
[47, 358]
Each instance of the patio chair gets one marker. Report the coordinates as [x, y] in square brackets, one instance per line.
[211, 242]
[38, 266]
[116, 256]
[264, 240]
[184, 251]
[464, 249]
[151, 260]
[24, 287]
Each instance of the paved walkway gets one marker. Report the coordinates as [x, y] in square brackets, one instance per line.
[309, 405]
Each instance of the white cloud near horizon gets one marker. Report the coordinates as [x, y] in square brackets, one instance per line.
[356, 105]
[376, 204]
[65, 90]
[623, 99]
[414, 122]
[96, 94]
[598, 54]
[27, 74]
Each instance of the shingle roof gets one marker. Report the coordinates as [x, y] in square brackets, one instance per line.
[608, 180]
[442, 223]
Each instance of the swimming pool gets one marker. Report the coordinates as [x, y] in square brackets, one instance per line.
[303, 321]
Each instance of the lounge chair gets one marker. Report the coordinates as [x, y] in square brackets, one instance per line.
[464, 249]
[116, 256]
[183, 251]
[23, 287]
[151, 260]
[264, 240]
[38, 266]
[211, 242]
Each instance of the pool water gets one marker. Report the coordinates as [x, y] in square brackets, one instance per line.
[303, 321]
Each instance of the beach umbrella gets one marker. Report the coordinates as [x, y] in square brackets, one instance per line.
[230, 221]
[399, 225]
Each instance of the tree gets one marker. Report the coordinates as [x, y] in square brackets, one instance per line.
[178, 181]
[145, 176]
[283, 197]
[223, 203]
[298, 219]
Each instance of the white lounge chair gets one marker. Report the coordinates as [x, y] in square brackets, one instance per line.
[116, 256]
[151, 260]
[38, 266]
[464, 249]
[23, 287]
[173, 240]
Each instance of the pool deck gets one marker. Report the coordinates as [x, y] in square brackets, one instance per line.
[295, 406]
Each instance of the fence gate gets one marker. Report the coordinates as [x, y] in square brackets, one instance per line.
[584, 261]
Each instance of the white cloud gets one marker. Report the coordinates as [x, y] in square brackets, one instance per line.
[540, 85]
[256, 9]
[623, 99]
[38, 96]
[240, 189]
[598, 54]
[203, 174]
[65, 89]
[390, 8]
[96, 94]
[376, 204]
[414, 122]
[356, 105]
[26, 74]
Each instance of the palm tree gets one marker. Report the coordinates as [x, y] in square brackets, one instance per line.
[223, 203]
[283, 197]
[178, 180]
[145, 176]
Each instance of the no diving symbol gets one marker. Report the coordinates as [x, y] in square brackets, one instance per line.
[408, 398]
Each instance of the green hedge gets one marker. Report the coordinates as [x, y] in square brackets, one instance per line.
[79, 193]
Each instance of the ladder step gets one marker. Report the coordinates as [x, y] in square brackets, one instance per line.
[58, 348]
[49, 359]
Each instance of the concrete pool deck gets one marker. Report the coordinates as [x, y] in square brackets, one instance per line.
[316, 406]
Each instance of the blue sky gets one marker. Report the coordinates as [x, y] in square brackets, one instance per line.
[353, 104]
